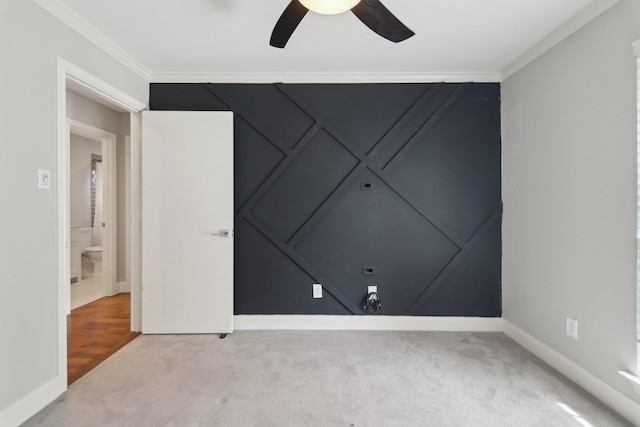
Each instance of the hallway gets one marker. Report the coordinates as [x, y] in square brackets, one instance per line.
[96, 331]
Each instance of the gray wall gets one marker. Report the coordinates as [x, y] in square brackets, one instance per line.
[569, 175]
[90, 112]
[87, 111]
[30, 41]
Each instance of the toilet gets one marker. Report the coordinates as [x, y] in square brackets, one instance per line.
[94, 253]
[91, 252]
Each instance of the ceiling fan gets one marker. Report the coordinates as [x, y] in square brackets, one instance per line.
[372, 13]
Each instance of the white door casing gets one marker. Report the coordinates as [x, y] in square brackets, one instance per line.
[187, 198]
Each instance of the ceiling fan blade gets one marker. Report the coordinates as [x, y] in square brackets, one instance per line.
[374, 15]
[287, 24]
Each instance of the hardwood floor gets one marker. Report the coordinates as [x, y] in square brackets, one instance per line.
[95, 331]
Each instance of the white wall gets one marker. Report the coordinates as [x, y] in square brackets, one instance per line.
[30, 41]
[569, 165]
[80, 179]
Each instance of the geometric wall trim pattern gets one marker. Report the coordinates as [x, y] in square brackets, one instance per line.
[350, 185]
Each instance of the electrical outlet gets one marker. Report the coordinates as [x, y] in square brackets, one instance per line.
[366, 185]
[572, 328]
[368, 271]
[317, 290]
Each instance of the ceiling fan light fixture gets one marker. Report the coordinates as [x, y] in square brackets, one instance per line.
[371, 13]
[329, 7]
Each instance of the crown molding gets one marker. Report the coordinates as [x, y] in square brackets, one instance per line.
[82, 27]
[86, 30]
[582, 18]
[365, 77]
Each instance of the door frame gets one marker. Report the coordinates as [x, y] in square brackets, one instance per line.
[110, 201]
[67, 71]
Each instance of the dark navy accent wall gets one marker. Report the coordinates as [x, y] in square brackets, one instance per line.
[403, 179]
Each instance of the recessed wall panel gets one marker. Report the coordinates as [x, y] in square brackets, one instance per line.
[304, 186]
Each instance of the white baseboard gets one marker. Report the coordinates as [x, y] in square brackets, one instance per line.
[616, 400]
[123, 287]
[29, 405]
[633, 379]
[366, 323]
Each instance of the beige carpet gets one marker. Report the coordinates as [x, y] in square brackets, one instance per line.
[292, 378]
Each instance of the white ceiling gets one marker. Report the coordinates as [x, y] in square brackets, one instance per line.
[207, 37]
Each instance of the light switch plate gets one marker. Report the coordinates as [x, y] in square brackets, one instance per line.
[44, 179]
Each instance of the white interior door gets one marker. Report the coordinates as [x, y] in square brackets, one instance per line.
[187, 206]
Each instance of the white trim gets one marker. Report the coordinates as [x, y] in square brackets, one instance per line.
[81, 26]
[636, 48]
[123, 286]
[135, 203]
[126, 287]
[101, 89]
[29, 405]
[616, 400]
[86, 30]
[635, 381]
[109, 214]
[62, 150]
[77, 23]
[364, 77]
[90, 132]
[589, 13]
[366, 323]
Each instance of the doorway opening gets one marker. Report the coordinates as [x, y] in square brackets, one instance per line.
[93, 222]
[99, 319]
[119, 267]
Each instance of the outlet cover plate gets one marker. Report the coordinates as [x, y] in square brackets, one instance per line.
[572, 328]
[317, 290]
